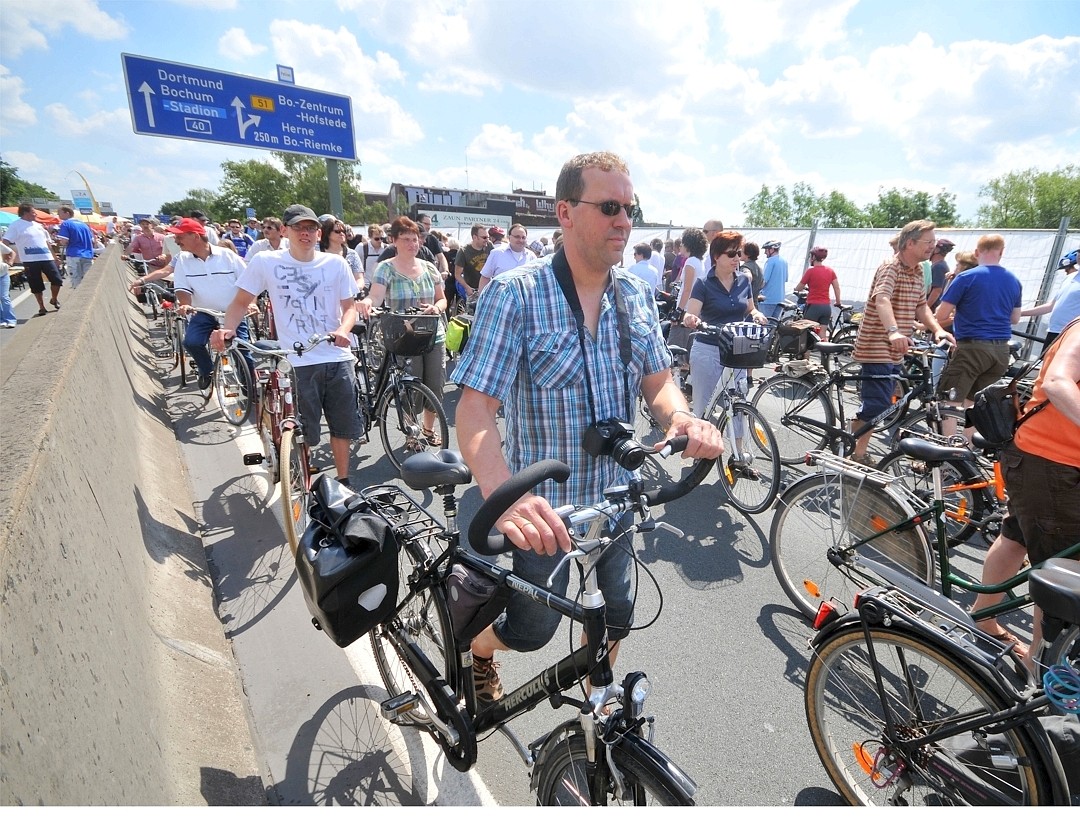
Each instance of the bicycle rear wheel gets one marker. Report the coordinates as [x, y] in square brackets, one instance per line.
[232, 386]
[797, 414]
[750, 467]
[826, 511]
[925, 689]
[401, 420]
[423, 621]
[295, 491]
[562, 779]
[965, 506]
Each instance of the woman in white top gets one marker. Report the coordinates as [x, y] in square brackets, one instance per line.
[332, 240]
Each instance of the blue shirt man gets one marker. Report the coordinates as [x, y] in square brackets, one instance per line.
[528, 353]
[775, 279]
[78, 242]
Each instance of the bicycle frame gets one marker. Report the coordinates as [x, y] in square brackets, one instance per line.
[838, 435]
[948, 579]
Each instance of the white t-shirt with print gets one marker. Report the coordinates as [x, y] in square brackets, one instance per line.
[306, 297]
[31, 240]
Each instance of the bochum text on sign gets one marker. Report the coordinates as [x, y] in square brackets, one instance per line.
[173, 100]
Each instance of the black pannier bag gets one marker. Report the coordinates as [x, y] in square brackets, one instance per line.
[347, 563]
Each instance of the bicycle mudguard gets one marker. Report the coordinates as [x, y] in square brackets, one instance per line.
[928, 615]
[641, 750]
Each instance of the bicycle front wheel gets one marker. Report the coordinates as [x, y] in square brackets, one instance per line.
[295, 491]
[750, 468]
[232, 386]
[797, 413]
[830, 511]
[925, 689]
[401, 420]
[181, 357]
[563, 779]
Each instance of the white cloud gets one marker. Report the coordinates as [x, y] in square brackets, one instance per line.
[334, 61]
[235, 45]
[102, 124]
[18, 114]
[26, 25]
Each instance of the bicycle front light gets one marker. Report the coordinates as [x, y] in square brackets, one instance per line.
[636, 688]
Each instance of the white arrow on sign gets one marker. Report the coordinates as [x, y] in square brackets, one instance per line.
[243, 125]
[147, 90]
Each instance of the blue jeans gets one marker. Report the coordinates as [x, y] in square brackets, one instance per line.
[7, 314]
[199, 328]
[526, 626]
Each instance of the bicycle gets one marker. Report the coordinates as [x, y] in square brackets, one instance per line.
[808, 419]
[750, 469]
[175, 326]
[606, 754]
[391, 397]
[909, 703]
[868, 518]
[231, 383]
[285, 455]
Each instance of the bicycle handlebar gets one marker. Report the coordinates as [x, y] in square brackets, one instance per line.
[485, 541]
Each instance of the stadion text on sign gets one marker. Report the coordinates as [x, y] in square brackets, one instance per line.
[177, 101]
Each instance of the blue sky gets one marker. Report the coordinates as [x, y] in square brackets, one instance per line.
[707, 101]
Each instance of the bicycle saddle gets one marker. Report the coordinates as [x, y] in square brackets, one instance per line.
[1055, 586]
[426, 470]
[932, 452]
[360, 328]
[268, 345]
[833, 347]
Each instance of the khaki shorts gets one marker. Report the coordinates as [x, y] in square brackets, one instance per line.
[974, 365]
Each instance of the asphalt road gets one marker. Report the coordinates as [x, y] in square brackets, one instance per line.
[727, 655]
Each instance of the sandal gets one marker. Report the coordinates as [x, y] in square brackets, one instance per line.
[1020, 649]
[42, 312]
[432, 439]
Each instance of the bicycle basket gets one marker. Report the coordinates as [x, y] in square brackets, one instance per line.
[409, 334]
[744, 344]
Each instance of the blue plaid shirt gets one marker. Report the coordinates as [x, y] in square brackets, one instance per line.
[524, 350]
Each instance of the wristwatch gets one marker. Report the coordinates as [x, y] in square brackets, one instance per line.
[892, 329]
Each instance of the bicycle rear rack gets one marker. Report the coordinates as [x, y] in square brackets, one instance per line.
[410, 520]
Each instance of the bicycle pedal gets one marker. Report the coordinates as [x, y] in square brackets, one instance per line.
[394, 708]
[255, 459]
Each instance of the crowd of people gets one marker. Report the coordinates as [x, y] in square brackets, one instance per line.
[546, 345]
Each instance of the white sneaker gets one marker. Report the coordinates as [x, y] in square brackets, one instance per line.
[7, 324]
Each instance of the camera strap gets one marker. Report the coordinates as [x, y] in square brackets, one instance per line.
[626, 352]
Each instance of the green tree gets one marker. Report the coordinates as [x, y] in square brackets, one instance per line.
[197, 199]
[14, 189]
[805, 205]
[837, 210]
[256, 184]
[895, 208]
[1031, 198]
[309, 184]
[768, 208]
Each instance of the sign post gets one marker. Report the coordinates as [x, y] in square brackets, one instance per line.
[173, 100]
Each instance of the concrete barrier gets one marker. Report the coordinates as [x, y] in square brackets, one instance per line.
[117, 686]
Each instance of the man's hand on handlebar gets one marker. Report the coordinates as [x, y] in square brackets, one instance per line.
[219, 338]
[531, 523]
[704, 439]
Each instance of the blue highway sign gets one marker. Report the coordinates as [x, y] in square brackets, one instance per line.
[173, 100]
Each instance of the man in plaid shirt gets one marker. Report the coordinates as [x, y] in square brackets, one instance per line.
[524, 353]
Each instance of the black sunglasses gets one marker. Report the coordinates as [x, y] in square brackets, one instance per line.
[608, 208]
[731, 254]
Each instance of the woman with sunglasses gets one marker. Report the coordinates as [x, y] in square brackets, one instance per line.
[406, 282]
[333, 238]
[723, 296]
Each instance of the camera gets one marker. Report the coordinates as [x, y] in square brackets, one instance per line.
[615, 439]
